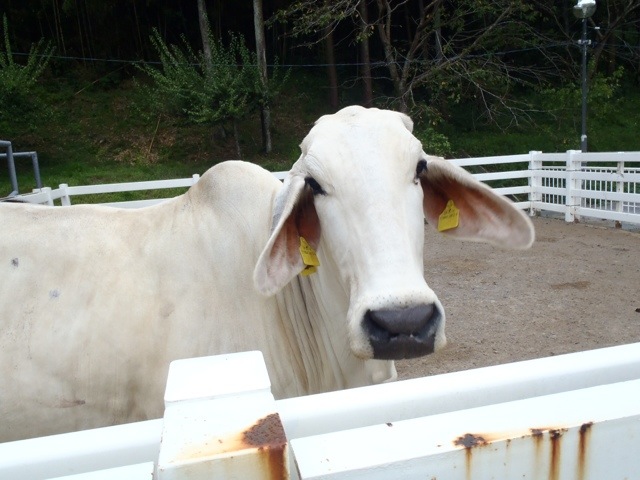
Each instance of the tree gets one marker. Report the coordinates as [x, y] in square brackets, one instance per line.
[613, 40]
[319, 20]
[221, 94]
[330, 61]
[455, 50]
[17, 81]
[261, 56]
[441, 51]
[365, 54]
[205, 33]
[185, 86]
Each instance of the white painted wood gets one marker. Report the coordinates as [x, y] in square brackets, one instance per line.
[80, 452]
[581, 434]
[465, 162]
[207, 412]
[140, 471]
[210, 378]
[392, 402]
[221, 421]
[566, 183]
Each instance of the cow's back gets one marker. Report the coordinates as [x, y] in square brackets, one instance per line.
[95, 302]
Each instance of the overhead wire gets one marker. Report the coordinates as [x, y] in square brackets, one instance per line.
[342, 64]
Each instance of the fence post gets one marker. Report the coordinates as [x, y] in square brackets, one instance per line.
[36, 169]
[620, 184]
[65, 200]
[220, 421]
[12, 167]
[572, 197]
[47, 190]
[535, 169]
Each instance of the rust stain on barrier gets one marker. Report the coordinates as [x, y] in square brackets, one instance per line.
[541, 436]
[555, 436]
[583, 448]
[469, 441]
[268, 436]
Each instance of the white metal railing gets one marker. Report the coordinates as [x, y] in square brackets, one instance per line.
[600, 185]
[505, 421]
[63, 194]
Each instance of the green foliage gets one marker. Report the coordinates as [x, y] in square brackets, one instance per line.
[209, 91]
[17, 81]
[566, 99]
[433, 142]
[308, 17]
[103, 140]
[427, 122]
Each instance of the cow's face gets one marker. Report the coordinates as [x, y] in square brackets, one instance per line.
[359, 194]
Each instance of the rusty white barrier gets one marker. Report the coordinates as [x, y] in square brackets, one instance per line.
[97, 450]
[140, 471]
[574, 416]
[582, 434]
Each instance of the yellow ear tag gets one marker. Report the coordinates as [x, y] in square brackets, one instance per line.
[449, 217]
[309, 257]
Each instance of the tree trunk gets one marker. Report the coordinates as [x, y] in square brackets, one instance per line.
[438, 32]
[384, 32]
[265, 112]
[58, 27]
[366, 58]
[236, 138]
[205, 33]
[331, 67]
[330, 60]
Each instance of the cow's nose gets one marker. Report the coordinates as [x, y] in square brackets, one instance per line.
[406, 321]
[403, 332]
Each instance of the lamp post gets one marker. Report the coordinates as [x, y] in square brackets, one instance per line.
[583, 10]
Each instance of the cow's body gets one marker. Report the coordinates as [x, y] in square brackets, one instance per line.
[95, 302]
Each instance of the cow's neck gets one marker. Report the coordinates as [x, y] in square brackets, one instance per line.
[315, 308]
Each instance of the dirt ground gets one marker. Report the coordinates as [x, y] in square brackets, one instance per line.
[577, 288]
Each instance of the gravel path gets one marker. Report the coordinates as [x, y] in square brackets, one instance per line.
[577, 288]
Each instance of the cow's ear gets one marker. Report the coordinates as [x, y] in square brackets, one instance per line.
[482, 214]
[294, 216]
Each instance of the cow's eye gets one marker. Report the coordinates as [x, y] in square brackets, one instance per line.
[421, 168]
[315, 186]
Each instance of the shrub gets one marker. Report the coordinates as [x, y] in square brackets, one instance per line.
[17, 82]
[216, 92]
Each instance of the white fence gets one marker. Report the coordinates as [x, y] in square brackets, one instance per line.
[64, 192]
[62, 195]
[574, 416]
[598, 185]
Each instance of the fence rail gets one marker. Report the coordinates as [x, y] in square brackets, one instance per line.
[515, 419]
[599, 185]
[10, 156]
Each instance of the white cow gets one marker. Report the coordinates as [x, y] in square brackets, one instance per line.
[96, 301]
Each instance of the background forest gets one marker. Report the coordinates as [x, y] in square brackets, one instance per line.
[136, 90]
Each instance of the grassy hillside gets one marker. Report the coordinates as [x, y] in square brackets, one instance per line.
[99, 135]
[90, 133]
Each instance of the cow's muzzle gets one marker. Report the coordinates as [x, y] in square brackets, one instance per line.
[404, 332]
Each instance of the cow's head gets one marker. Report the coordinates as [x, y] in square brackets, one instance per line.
[360, 191]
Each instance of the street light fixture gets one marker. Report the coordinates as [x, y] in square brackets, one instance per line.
[583, 10]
